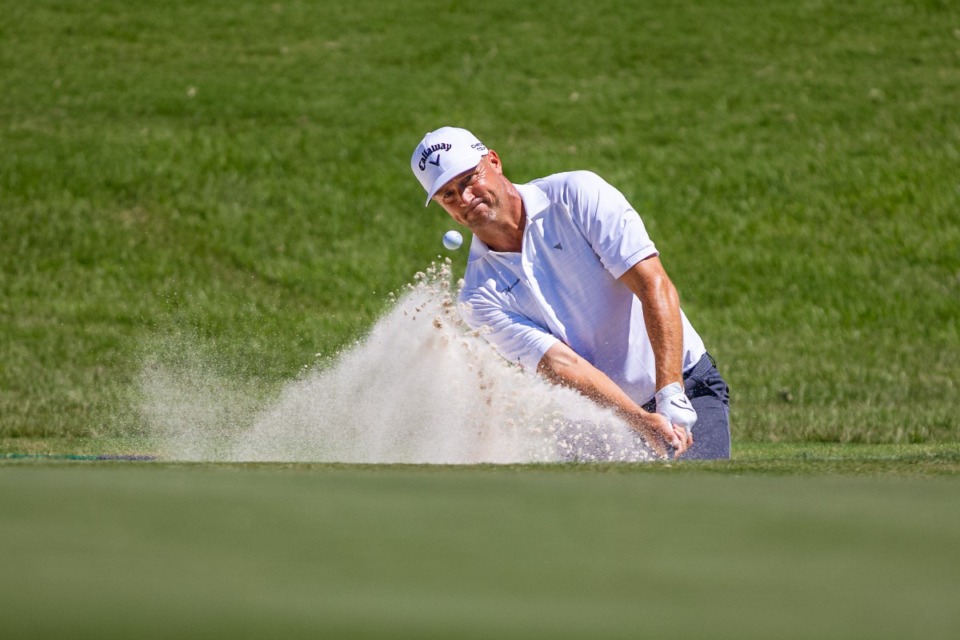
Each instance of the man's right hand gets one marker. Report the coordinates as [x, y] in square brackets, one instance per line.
[660, 433]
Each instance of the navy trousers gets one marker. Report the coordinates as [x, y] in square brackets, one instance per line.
[710, 397]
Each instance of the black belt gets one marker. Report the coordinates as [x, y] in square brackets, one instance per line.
[703, 365]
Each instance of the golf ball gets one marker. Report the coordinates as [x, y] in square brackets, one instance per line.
[452, 240]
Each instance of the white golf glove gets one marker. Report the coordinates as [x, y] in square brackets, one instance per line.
[673, 403]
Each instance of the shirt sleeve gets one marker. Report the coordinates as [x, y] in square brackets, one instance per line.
[517, 338]
[609, 223]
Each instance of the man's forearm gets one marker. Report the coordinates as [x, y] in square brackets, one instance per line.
[562, 365]
[661, 315]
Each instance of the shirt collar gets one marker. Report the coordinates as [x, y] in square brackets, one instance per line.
[535, 202]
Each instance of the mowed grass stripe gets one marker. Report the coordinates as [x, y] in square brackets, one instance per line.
[113, 550]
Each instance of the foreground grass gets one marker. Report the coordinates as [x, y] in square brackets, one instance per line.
[234, 180]
[157, 550]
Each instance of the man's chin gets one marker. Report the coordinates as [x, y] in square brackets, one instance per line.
[479, 215]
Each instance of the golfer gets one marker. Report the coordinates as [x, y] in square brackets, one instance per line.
[563, 279]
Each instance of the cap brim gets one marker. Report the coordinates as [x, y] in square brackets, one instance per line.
[452, 172]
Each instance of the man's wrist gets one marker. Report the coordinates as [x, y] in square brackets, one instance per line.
[671, 389]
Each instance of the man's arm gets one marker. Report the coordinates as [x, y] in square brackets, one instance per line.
[661, 314]
[561, 365]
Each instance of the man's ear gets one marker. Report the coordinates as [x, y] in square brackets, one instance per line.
[494, 159]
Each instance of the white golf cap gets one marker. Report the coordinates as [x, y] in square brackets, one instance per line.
[443, 155]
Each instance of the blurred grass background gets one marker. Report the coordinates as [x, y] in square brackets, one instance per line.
[238, 173]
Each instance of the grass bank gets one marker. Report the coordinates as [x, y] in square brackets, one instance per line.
[236, 176]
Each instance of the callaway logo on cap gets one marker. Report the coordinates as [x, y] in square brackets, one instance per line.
[444, 154]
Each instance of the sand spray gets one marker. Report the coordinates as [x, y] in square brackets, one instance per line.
[421, 387]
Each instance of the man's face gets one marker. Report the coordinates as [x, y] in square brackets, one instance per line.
[475, 197]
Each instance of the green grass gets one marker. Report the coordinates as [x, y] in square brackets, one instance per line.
[227, 186]
[155, 550]
[238, 174]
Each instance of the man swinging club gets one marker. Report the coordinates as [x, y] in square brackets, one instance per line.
[565, 281]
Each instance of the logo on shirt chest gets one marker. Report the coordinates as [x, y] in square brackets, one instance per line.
[510, 288]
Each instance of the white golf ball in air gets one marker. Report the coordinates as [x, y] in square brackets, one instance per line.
[452, 240]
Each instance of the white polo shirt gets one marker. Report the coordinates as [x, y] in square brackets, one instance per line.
[581, 235]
